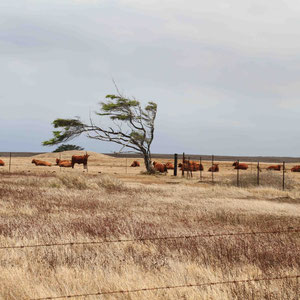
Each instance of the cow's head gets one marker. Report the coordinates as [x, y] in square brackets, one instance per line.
[57, 161]
[33, 161]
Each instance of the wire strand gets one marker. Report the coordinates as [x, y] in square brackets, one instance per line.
[171, 287]
[202, 235]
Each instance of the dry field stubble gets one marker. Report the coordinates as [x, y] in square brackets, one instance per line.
[43, 207]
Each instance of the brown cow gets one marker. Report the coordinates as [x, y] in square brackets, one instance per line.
[214, 168]
[295, 169]
[41, 163]
[196, 166]
[79, 159]
[240, 166]
[64, 163]
[135, 164]
[2, 163]
[191, 166]
[162, 168]
[275, 168]
[169, 166]
[59, 161]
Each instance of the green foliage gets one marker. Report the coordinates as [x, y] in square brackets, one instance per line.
[151, 106]
[66, 123]
[67, 147]
[119, 108]
[71, 129]
[137, 136]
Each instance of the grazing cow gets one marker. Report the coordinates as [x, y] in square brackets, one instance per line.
[240, 166]
[169, 166]
[135, 164]
[64, 163]
[214, 168]
[41, 163]
[2, 163]
[295, 169]
[162, 168]
[275, 168]
[79, 159]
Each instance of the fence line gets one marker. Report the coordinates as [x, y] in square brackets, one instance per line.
[244, 281]
[202, 235]
[212, 160]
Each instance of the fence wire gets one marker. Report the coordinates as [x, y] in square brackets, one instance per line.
[202, 235]
[244, 281]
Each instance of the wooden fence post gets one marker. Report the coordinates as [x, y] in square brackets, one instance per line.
[9, 162]
[60, 160]
[175, 164]
[212, 165]
[238, 174]
[86, 166]
[258, 170]
[189, 171]
[200, 168]
[183, 161]
[283, 173]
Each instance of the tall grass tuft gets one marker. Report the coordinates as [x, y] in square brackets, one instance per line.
[110, 184]
[71, 181]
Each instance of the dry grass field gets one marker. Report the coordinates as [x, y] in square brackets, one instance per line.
[46, 205]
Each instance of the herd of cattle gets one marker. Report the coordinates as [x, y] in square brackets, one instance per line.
[162, 168]
[76, 159]
[195, 166]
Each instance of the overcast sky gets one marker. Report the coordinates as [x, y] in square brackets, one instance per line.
[225, 74]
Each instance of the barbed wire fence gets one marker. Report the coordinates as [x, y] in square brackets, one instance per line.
[191, 285]
[201, 235]
[273, 175]
[257, 176]
[167, 287]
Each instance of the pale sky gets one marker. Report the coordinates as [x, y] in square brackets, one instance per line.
[225, 74]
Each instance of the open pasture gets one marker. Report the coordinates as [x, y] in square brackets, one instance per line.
[49, 205]
[120, 168]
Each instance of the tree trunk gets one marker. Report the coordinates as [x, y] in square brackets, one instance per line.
[148, 164]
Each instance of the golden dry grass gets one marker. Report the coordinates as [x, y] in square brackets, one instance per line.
[44, 207]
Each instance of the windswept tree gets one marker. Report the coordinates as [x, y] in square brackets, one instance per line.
[132, 126]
